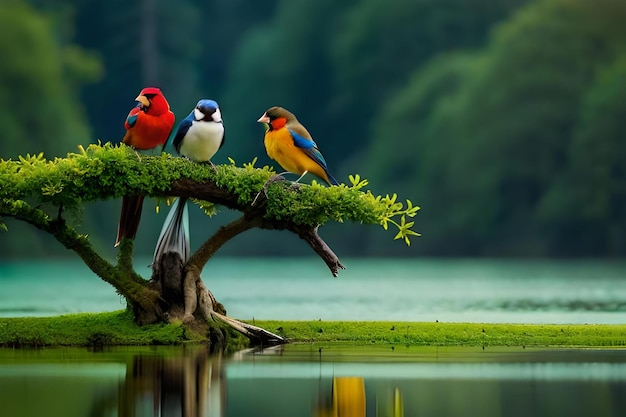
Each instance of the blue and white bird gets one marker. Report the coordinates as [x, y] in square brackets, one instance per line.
[201, 134]
[198, 137]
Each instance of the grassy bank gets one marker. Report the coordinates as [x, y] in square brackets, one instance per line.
[117, 328]
[86, 329]
[450, 334]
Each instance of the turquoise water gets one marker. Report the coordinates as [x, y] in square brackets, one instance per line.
[415, 381]
[369, 289]
[323, 380]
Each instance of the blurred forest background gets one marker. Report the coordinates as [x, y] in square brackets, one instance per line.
[504, 120]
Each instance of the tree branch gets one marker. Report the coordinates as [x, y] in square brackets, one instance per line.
[74, 241]
[253, 217]
[223, 235]
[109, 171]
[309, 235]
[257, 335]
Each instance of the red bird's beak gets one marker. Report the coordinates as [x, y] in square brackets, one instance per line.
[264, 119]
[143, 100]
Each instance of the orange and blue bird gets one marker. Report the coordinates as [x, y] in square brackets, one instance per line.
[289, 143]
[148, 125]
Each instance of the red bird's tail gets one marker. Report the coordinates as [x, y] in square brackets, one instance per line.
[129, 217]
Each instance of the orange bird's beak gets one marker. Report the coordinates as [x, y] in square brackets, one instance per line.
[264, 119]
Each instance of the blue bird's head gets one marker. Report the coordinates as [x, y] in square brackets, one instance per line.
[208, 111]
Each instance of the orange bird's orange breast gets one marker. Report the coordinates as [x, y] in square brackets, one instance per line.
[280, 147]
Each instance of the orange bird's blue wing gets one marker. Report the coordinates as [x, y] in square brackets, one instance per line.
[310, 148]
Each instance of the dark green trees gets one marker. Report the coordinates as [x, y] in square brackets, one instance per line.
[516, 147]
[503, 116]
[41, 77]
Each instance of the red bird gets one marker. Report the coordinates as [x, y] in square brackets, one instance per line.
[148, 125]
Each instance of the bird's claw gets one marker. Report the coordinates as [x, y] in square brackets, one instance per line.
[258, 194]
[209, 162]
[272, 180]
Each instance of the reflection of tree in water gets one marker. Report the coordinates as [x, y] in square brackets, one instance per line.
[192, 383]
[348, 399]
[390, 404]
[188, 385]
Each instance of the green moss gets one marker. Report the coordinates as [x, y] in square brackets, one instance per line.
[449, 334]
[101, 329]
[106, 171]
[118, 328]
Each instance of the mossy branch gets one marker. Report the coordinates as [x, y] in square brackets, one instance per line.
[106, 171]
[72, 240]
[223, 235]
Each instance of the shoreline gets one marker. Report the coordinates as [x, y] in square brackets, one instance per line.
[118, 329]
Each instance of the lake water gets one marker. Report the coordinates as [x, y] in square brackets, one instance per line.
[330, 380]
[544, 291]
[307, 381]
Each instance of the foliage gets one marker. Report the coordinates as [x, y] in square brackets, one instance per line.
[38, 95]
[505, 117]
[286, 61]
[342, 74]
[384, 42]
[40, 81]
[589, 199]
[108, 171]
[499, 147]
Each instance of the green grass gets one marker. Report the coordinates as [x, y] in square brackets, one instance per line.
[449, 334]
[117, 328]
[86, 329]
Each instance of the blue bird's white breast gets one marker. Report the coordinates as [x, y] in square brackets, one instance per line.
[204, 137]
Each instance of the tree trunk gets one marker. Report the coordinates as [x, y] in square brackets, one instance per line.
[184, 297]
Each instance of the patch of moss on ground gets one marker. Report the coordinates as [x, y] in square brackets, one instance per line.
[89, 329]
[449, 334]
[118, 329]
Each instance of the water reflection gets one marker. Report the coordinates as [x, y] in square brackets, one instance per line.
[190, 382]
[347, 399]
[159, 383]
[186, 386]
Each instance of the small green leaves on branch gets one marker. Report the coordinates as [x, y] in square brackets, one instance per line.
[394, 210]
[357, 182]
[391, 209]
[100, 172]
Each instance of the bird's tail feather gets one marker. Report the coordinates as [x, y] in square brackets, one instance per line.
[130, 216]
[174, 235]
[331, 180]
